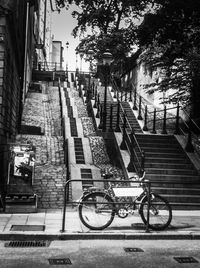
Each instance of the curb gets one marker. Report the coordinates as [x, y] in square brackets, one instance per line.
[100, 236]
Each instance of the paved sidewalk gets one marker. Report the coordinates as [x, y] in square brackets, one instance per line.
[184, 225]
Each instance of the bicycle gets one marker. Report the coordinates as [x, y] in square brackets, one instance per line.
[98, 207]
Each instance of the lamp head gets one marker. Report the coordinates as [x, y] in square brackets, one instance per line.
[107, 57]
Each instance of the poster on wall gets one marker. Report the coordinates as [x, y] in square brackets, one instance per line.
[22, 161]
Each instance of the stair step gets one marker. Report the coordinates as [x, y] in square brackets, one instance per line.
[78, 148]
[176, 178]
[86, 174]
[162, 160]
[149, 165]
[73, 127]
[164, 155]
[161, 150]
[176, 191]
[182, 198]
[171, 171]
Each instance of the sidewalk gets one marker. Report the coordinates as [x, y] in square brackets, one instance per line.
[47, 224]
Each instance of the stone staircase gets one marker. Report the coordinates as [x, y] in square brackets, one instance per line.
[167, 165]
[170, 169]
[133, 122]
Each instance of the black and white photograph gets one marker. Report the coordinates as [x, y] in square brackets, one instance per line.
[99, 133]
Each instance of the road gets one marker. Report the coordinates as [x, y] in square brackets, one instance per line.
[103, 254]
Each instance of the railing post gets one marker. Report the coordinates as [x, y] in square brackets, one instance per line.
[117, 128]
[93, 90]
[114, 94]
[145, 128]
[101, 117]
[64, 208]
[123, 144]
[148, 205]
[111, 118]
[164, 131]
[126, 96]
[130, 95]
[95, 99]
[135, 100]
[189, 146]
[131, 167]
[140, 109]
[154, 122]
[143, 161]
[98, 106]
[177, 129]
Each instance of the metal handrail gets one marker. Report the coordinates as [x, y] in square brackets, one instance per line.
[131, 148]
[66, 142]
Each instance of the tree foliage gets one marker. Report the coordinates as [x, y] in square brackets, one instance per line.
[110, 23]
[170, 35]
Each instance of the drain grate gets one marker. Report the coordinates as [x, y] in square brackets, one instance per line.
[59, 261]
[24, 228]
[23, 244]
[185, 260]
[133, 250]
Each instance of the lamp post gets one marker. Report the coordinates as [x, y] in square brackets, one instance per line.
[105, 68]
[81, 53]
[90, 54]
[67, 46]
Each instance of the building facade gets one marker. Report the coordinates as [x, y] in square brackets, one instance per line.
[17, 44]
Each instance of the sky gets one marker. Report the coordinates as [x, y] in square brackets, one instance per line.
[62, 26]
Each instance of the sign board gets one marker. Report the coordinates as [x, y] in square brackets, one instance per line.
[127, 191]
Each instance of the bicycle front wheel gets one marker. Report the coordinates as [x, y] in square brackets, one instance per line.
[160, 212]
[97, 210]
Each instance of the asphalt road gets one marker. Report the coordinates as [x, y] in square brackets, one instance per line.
[103, 254]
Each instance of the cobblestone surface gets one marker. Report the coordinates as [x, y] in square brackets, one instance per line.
[50, 173]
[88, 126]
[97, 144]
[33, 109]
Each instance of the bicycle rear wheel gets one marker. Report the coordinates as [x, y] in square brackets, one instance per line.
[160, 212]
[97, 210]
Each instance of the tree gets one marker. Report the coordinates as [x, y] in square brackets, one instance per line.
[111, 24]
[170, 35]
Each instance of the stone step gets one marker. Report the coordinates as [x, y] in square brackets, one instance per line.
[165, 155]
[179, 198]
[168, 165]
[173, 178]
[171, 171]
[161, 150]
[176, 191]
[157, 160]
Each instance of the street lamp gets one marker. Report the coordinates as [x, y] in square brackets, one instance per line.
[81, 53]
[105, 68]
[67, 46]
